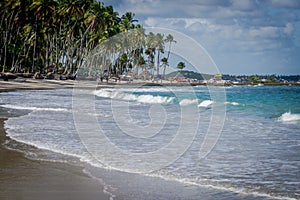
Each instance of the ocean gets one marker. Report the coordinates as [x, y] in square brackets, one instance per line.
[144, 142]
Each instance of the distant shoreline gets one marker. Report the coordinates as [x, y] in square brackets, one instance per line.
[35, 84]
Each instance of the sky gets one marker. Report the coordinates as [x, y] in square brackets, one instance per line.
[241, 36]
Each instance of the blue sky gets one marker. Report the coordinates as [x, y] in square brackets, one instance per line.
[242, 36]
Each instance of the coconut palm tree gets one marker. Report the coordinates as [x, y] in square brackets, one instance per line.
[169, 39]
[165, 64]
[127, 21]
[159, 46]
[36, 33]
[181, 65]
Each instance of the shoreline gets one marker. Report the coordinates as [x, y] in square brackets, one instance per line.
[34, 179]
[24, 178]
[33, 84]
[45, 84]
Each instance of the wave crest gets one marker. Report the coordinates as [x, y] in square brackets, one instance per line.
[288, 117]
[186, 102]
[206, 103]
[150, 99]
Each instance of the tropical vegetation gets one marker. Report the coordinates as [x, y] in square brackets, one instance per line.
[59, 35]
[181, 65]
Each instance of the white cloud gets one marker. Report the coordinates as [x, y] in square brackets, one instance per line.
[233, 37]
[226, 27]
[243, 5]
[289, 29]
[295, 4]
[264, 32]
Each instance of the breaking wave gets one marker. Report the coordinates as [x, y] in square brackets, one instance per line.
[186, 102]
[206, 103]
[288, 117]
[147, 98]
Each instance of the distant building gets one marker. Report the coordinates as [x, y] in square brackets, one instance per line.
[181, 79]
[263, 80]
[218, 77]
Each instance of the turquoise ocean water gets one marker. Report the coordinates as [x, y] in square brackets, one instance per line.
[256, 154]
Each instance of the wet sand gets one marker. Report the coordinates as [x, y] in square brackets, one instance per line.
[22, 178]
[36, 84]
[32, 84]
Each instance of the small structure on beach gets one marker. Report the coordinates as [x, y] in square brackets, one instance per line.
[145, 75]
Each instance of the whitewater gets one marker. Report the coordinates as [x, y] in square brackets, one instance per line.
[256, 155]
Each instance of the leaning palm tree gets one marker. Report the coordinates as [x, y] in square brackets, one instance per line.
[169, 39]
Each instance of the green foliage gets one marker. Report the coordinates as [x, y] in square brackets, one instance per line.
[190, 75]
[254, 79]
[164, 60]
[42, 32]
[181, 65]
[36, 34]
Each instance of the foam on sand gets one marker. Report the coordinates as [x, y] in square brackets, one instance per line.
[33, 108]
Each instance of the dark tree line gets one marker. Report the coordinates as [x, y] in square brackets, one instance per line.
[35, 34]
[58, 35]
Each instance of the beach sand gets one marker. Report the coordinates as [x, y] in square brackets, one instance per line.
[33, 84]
[44, 84]
[23, 178]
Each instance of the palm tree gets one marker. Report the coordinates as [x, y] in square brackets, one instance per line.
[181, 65]
[127, 22]
[42, 11]
[159, 46]
[150, 50]
[170, 39]
[139, 62]
[165, 63]
[37, 33]
[10, 27]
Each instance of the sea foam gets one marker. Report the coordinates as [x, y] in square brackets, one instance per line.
[147, 98]
[288, 117]
[205, 103]
[232, 103]
[186, 102]
[33, 108]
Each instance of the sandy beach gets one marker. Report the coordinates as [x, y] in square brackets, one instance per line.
[23, 178]
[27, 173]
[33, 84]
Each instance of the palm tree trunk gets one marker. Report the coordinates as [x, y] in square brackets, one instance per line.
[158, 63]
[164, 72]
[4, 60]
[169, 50]
[34, 57]
[34, 46]
[22, 48]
